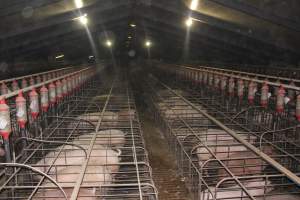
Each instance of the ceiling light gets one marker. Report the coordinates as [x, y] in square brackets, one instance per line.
[78, 3]
[189, 22]
[129, 37]
[148, 43]
[194, 4]
[60, 56]
[108, 43]
[83, 19]
[132, 25]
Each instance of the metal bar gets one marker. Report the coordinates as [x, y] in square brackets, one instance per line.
[244, 78]
[15, 93]
[84, 166]
[252, 74]
[134, 150]
[32, 75]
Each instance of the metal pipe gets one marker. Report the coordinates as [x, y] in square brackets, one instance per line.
[15, 93]
[134, 150]
[85, 164]
[32, 75]
[75, 119]
[252, 74]
[34, 170]
[51, 142]
[245, 78]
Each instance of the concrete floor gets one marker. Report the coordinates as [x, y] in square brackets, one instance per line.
[169, 184]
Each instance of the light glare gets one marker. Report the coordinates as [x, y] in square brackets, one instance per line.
[148, 43]
[108, 43]
[189, 22]
[83, 19]
[78, 3]
[194, 4]
[60, 56]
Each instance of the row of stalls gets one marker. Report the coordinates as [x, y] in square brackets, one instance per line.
[74, 135]
[235, 135]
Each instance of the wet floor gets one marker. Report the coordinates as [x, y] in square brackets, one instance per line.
[169, 184]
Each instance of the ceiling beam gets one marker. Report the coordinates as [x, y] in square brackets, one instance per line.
[103, 20]
[173, 22]
[252, 11]
[63, 39]
[202, 41]
[262, 36]
[92, 9]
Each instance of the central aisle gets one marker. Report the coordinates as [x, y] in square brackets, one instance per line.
[168, 182]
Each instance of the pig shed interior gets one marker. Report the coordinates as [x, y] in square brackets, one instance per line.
[149, 99]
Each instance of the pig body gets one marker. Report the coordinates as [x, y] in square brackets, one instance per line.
[255, 188]
[221, 144]
[94, 175]
[71, 155]
[111, 119]
[174, 107]
[110, 137]
[127, 115]
[108, 119]
[244, 163]
[186, 112]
